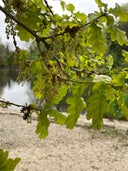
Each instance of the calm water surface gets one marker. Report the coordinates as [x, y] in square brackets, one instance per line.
[12, 91]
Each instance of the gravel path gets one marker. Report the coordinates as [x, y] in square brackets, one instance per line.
[80, 149]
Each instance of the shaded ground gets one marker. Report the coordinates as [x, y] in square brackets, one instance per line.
[80, 149]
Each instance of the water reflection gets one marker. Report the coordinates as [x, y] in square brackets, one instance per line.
[21, 93]
[12, 91]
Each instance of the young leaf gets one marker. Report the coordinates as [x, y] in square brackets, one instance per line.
[119, 80]
[43, 124]
[118, 35]
[76, 105]
[7, 164]
[100, 3]
[23, 35]
[96, 39]
[103, 78]
[110, 93]
[125, 55]
[70, 7]
[63, 5]
[97, 105]
[30, 20]
[61, 94]
[81, 16]
[59, 118]
[120, 12]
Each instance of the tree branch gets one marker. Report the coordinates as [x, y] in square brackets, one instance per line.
[10, 103]
[46, 3]
[38, 38]
[69, 30]
[43, 39]
[18, 22]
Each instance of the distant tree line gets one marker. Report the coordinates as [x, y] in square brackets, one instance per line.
[6, 56]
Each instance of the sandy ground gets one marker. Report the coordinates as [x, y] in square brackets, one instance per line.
[80, 149]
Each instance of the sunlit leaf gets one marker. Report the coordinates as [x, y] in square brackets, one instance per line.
[43, 124]
[109, 61]
[59, 118]
[110, 93]
[100, 3]
[96, 39]
[118, 35]
[30, 20]
[119, 80]
[97, 105]
[61, 94]
[104, 78]
[70, 7]
[120, 11]
[125, 55]
[63, 5]
[81, 16]
[76, 105]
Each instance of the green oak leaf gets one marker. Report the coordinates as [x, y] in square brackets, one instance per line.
[43, 124]
[70, 7]
[97, 105]
[119, 80]
[7, 164]
[59, 118]
[76, 105]
[117, 35]
[120, 11]
[61, 93]
[97, 39]
[125, 55]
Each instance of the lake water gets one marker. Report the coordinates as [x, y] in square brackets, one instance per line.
[12, 91]
[16, 93]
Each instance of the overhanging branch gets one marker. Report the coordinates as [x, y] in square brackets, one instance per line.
[37, 37]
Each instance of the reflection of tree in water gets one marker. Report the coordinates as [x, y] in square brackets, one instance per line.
[5, 78]
[12, 76]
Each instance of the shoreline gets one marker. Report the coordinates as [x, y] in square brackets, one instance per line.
[114, 124]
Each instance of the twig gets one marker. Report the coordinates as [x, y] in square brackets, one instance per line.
[60, 78]
[46, 3]
[10, 103]
[4, 1]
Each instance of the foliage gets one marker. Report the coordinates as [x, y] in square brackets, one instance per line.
[115, 48]
[7, 164]
[73, 59]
